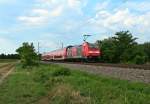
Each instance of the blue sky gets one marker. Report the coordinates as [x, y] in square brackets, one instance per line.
[52, 22]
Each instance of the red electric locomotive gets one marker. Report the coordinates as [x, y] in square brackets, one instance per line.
[86, 51]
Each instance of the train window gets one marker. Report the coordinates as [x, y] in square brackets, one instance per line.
[93, 45]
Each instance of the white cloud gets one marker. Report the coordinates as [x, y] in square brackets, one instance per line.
[121, 19]
[142, 6]
[44, 3]
[40, 16]
[32, 20]
[40, 12]
[46, 11]
[7, 46]
[102, 5]
[76, 3]
[37, 16]
[57, 11]
[109, 22]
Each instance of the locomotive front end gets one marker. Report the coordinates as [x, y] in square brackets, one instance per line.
[91, 50]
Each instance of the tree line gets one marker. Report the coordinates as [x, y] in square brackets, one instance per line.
[123, 48]
[9, 56]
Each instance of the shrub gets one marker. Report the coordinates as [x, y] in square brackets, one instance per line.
[42, 75]
[140, 59]
[53, 81]
[65, 94]
[27, 54]
[61, 72]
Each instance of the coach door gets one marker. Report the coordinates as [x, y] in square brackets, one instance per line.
[79, 51]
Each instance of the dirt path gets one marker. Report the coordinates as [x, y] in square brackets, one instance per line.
[116, 72]
[5, 71]
[2, 65]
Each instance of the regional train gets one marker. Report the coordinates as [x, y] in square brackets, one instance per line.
[86, 51]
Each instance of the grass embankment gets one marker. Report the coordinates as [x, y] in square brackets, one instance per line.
[51, 84]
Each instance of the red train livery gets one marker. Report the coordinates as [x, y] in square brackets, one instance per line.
[84, 51]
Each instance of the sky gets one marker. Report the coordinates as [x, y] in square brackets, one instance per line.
[53, 22]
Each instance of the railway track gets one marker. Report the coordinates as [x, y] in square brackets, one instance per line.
[132, 66]
[145, 67]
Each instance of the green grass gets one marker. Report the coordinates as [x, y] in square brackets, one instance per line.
[7, 60]
[52, 84]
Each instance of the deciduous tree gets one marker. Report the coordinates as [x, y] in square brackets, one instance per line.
[27, 54]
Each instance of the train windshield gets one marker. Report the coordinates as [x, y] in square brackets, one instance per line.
[93, 45]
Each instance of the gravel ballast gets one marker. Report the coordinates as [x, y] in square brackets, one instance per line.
[138, 75]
